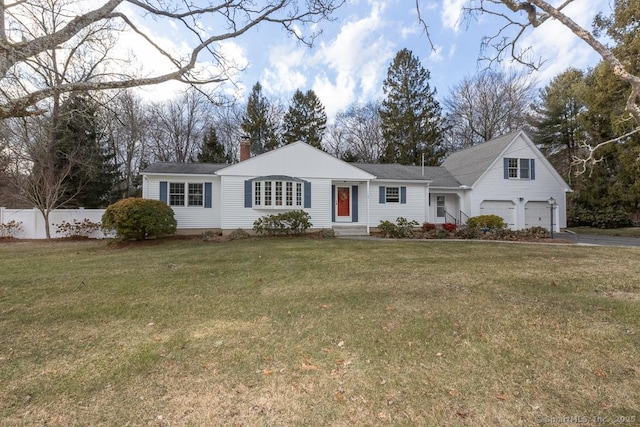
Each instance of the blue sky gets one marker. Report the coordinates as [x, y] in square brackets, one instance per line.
[349, 61]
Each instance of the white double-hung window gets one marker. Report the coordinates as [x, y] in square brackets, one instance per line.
[519, 168]
[186, 194]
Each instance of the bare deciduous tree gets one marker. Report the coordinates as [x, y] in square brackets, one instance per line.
[36, 177]
[357, 133]
[126, 122]
[227, 119]
[177, 127]
[19, 45]
[487, 105]
[41, 167]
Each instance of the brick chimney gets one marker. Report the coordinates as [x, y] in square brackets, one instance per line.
[245, 148]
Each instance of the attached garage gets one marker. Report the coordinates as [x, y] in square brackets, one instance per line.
[537, 214]
[502, 208]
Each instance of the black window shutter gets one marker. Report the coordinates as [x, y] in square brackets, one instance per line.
[506, 168]
[248, 190]
[207, 195]
[307, 195]
[354, 203]
[532, 162]
[163, 191]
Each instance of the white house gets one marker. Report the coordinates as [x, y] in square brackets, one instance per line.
[507, 176]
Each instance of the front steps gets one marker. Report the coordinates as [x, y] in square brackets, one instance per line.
[349, 230]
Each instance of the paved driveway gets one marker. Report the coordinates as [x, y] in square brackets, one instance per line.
[590, 239]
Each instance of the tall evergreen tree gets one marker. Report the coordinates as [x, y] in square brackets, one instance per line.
[412, 122]
[306, 119]
[258, 123]
[605, 117]
[91, 181]
[555, 120]
[213, 151]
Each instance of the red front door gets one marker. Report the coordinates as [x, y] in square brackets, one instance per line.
[344, 203]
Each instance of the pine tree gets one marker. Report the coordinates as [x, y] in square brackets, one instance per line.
[306, 119]
[412, 122]
[91, 182]
[258, 123]
[212, 150]
[556, 124]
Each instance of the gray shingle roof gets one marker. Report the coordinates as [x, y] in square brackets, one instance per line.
[439, 176]
[469, 164]
[185, 168]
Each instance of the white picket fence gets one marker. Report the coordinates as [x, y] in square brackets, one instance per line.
[32, 222]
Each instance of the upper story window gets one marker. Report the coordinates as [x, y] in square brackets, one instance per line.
[186, 194]
[513, 168]
[519, 168]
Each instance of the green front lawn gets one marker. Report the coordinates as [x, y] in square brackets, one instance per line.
[623, 232]
[317, 332]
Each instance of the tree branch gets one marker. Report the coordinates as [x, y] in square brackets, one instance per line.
[239, 16]
[583, 162]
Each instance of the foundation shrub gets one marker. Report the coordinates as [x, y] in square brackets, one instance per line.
[139, 219]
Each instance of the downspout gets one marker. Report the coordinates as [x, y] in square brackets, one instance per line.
[368, 203]
[221, 203]
[426, 203]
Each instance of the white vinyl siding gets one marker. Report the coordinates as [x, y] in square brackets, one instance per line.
[235, 215]
[493, 186]
[415, 208]
[188, 216]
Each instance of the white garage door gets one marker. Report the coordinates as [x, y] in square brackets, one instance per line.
[537, 214]
[502, 208]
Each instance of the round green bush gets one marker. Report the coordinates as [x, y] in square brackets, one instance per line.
[139, 219]
[492, 222]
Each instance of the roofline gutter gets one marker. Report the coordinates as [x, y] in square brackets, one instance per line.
[179, 173]
[418, 181]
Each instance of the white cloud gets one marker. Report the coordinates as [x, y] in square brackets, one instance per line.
[285, 72]
[452, 50]
[436, 54]
[355, 61]
[452, 14]
[410, 30]
[335, 95]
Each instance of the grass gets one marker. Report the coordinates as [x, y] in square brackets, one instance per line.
[622, 232]
[317, 332]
